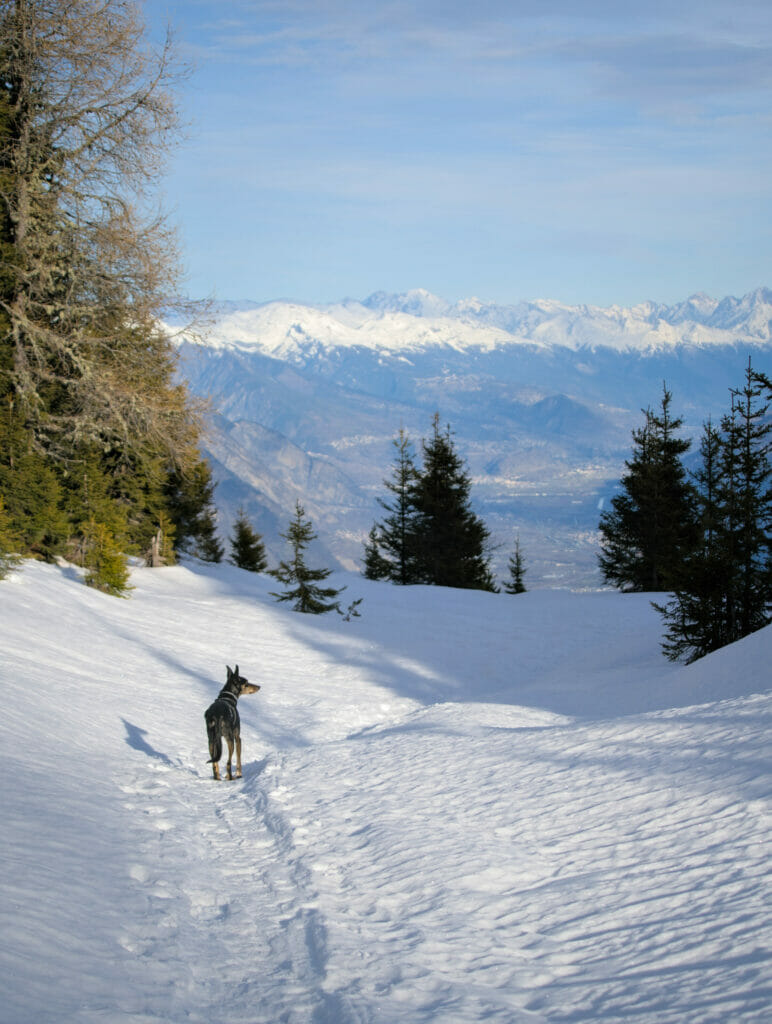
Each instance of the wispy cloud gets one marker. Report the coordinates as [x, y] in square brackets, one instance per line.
[506, 115]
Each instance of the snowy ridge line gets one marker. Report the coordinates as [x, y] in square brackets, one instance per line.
[417, 321]
[456, 808]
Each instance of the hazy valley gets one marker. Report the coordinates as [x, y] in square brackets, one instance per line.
[541, 398]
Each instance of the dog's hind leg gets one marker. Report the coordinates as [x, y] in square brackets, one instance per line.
[215, 745]
[229, 740]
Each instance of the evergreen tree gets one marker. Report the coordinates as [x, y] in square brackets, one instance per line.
[515, 584]
[106, 565]
[747, 502]
[722, 591]
[33, 499]
[190, 500]
[247, 548]
[10, 544]
[696, 615]
[450, 540]
[208, 547]
[650, 528]
[764, 383]
[89, 498]
[303, 582]
[376, 567]
[86, 264]
[390, 553]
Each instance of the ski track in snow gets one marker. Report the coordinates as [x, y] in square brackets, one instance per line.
[426, 831]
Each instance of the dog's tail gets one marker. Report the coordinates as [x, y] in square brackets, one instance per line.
[215, 738]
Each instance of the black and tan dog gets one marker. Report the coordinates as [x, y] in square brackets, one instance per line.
[222, 720]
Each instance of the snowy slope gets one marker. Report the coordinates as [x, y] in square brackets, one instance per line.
[459, 807]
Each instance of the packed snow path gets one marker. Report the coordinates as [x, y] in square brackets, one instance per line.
[460, 807]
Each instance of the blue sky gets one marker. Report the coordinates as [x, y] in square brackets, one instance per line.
[587, 151]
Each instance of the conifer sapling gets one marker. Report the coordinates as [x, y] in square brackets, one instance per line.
[302, 582]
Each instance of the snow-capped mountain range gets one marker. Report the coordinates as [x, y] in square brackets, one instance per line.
[541, 397]
[417, 320]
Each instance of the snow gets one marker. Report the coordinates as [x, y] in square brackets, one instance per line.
[458, 807]
[281, 330]
[417, 321]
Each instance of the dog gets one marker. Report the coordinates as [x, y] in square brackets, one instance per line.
[222, 720]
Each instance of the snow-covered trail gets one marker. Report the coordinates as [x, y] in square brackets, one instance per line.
[457, 808]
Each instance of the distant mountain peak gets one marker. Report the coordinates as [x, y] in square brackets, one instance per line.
[416, 302]
[417, 320]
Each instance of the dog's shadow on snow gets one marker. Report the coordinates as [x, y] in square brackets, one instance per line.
[135, 737]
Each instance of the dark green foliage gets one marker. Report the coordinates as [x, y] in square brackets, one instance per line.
[376, 567]
[391, 550]
[32, 493]
[247, 548]
[190, 500]
[696, 614]
[352, 612]
[747, 500]
[91, 420]
[430, 535]
[515, 584]
[450, 540]
[91, 496]
[10, 544]
[722, 591]
[106, 565]
[304, 593]
[208, 547]
[650, 528]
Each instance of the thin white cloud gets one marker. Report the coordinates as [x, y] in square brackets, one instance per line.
[557, 119]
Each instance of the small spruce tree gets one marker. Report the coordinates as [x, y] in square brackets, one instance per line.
[390, 553]
[247, 548]
[650, 527]
[208, 547]
[376, 567]
[450, 540]
[515, 584]
[302, 583]
[106, 566]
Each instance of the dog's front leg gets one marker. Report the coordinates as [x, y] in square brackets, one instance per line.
[238, 756]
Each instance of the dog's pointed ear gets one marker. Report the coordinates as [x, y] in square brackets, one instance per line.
[236, 670]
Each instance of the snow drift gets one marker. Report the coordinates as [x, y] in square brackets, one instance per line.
[460, 807]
